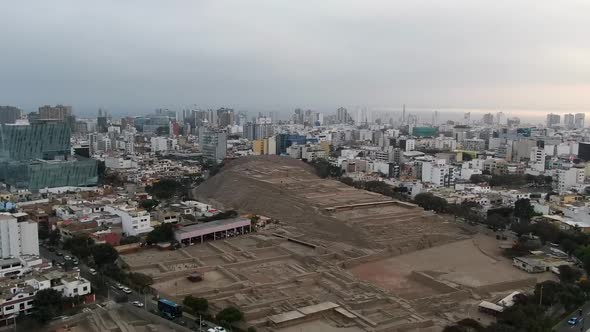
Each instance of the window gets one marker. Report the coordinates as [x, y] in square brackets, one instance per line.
[85, 288]
[10, 307]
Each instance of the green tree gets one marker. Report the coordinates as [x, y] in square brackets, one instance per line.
[523, 209]
[79, 246]
[161, 233]
[568, 275]
[129, 239]
[548, 292]
[230, 315]
[149, 204]
[430, 202]
[140, 280]
[197, 304]
[54, 237]
[104, 254]
[48, 304]
[497, 222]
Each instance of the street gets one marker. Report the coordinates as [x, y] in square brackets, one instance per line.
[583, 325]
[113, 292]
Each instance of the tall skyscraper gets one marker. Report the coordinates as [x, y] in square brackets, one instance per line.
[9, 114]
[569, 121]
[553, 120]
[214, 145]
[57, 112]
[579, 120]
[38, 155]
[342, 115]
[488, 119]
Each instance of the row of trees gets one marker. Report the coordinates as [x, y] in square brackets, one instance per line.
[226, 317]
[379, 187]
[512, 180]
[85, 249]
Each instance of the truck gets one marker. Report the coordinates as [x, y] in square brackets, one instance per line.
[169, 309]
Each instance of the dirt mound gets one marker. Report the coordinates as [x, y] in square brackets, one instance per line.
[288, 190]
[259, 184]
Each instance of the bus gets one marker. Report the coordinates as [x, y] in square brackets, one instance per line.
[169, 309]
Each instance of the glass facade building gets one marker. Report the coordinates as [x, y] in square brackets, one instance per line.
[38, 155]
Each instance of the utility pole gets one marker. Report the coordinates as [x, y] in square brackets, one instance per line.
[541, 296]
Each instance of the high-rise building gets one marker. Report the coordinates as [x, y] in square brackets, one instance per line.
[17, 237]
[57, 112]
[514, 121]
[214, 145]
[569, 121]
[488, 119]
[226, 117]
[579, 120]
[101, 122]
[342, 116]
[9, 114]
[553, 120]
[584, 151]
[38, 155]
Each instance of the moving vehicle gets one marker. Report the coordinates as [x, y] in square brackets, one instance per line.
[169, 309]
[93, 272]
[137, 304]
[573, 321]
[126, 290]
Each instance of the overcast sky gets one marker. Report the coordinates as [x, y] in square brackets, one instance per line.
[136, 55]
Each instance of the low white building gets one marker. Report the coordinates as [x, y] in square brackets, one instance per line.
[133, 221]
[17, 296]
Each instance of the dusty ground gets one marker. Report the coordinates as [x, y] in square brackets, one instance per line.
[318, 326]
[472, 263]
[361, 256]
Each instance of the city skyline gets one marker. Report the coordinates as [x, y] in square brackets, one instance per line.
[281, 55]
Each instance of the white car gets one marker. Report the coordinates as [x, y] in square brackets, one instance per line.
[93, 272]
[119, 286]
[126, 290]
[77, 269]
[137, 304]
[216, 329]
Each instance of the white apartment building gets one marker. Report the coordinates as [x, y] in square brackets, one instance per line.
[438, 173]
[163, 144]
[134, 222]
[18, 295]
[445, 143]
[566, 179]
[410, 145]
[537, 159]
[119, 163]
[17, 238]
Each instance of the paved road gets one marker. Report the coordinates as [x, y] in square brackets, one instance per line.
[583, 325]
[113, 291]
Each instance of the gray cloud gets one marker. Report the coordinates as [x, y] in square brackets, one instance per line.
[136, 55]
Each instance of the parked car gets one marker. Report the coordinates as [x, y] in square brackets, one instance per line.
[137, 304]
[77, 269]
[573, 321]
[93, 272]
[59, 253]
[119, 286]
[126, 290]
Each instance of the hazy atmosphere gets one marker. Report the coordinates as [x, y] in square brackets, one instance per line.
[134, 56]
